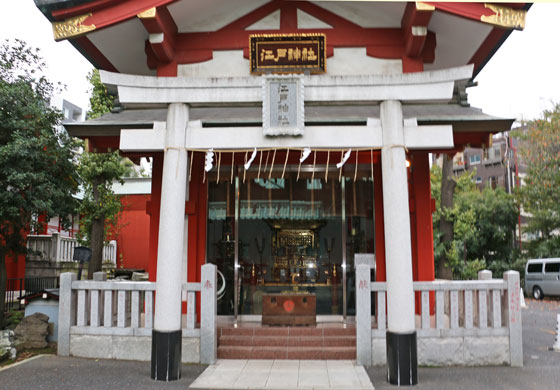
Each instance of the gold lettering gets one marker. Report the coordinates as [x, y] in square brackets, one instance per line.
[267, 55]
[311, 56]
[297, 54]
[290, 54]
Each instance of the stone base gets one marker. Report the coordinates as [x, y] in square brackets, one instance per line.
[127, 347]
[402, 359]
[452, 351]
[166, 355]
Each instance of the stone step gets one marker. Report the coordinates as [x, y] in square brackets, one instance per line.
[286, 331]
[298, 353]
[292, 341]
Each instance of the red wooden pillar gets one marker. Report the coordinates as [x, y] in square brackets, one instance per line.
[380, 275]
[423, 210]
[152, 208]
[423, 259]
[196, 209]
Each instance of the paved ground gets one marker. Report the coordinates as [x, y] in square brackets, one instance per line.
[284, 374]
[541, 367]
[541, 370]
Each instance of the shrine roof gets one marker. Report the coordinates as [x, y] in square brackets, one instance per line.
[140, 36]
[463, 118]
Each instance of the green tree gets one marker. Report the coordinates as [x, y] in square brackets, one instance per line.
[100, 101]
[540, 194]
[37, 175]
[483, 227]
[100, 206]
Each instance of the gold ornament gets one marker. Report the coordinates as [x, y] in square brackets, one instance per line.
[505, 17]
[147, 14]
[71, 27]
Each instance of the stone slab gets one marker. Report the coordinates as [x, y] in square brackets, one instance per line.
[441, 351]
[132, 348]
[190, 350]
[487, 351]
[378, 351]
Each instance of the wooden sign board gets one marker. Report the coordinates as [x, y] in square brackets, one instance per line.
[287, 53]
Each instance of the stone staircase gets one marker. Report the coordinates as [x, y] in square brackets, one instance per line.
[301, 343]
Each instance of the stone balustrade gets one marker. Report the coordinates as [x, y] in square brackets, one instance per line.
[474, 322]
[114, 319]
[56, 248]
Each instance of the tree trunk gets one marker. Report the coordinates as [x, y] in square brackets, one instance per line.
[96, 242]
[446, 226]
[97, 237]
[3, 281]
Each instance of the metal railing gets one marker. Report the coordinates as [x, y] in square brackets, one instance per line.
[18, 287]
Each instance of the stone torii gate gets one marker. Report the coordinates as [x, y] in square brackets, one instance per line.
[390, 133]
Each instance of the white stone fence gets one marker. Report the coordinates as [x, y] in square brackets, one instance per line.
[114, 319]
[61, 249]
[474, 322]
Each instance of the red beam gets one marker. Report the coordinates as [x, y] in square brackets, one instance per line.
[61, 14]
[492, 42]
[473, 11]
[414, 25]
[288, 17]
[107, 13]
[91, 51]
[162, 22]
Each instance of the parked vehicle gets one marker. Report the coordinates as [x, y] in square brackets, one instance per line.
[542, 277]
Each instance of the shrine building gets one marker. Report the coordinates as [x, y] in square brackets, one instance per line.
[290, 141]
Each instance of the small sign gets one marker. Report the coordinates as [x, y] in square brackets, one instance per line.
[287, 53]
[82, 254]
[283, 106]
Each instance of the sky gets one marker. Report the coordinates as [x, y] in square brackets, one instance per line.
[521, 79]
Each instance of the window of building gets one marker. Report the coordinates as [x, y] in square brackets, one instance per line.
[478, 180]
[496, 152]
[474, 159]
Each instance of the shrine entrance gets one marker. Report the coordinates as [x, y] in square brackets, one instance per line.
[289, 232]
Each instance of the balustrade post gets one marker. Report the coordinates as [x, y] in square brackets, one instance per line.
[66, 312]
[363, 315]
[55, 246]
[512, 311]
[208, 313]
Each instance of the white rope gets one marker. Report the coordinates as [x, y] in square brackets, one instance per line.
[327, 167]
[285, 162]
[232, 165]
[272, 164]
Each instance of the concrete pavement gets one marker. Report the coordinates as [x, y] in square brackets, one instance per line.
[541, 367]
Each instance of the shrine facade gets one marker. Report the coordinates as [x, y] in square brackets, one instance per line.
[290, 143]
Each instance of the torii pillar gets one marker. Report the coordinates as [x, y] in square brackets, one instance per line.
[402, 361]
[167, 335]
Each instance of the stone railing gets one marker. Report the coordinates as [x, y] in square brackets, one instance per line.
[115, 319]
[56, 248]
[457, 323]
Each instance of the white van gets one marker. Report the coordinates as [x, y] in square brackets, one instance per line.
[542, 277]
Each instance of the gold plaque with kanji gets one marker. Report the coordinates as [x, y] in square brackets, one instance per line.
[287, 53]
